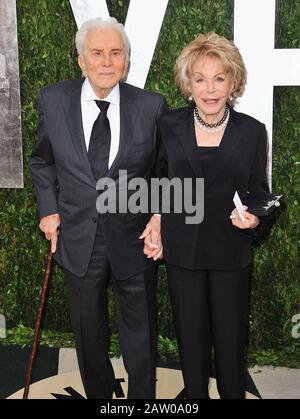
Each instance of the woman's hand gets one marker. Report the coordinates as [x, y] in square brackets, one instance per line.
[251, 221]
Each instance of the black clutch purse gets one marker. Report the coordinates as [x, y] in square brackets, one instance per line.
[264, 207]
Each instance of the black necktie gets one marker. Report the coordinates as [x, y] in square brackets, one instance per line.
[99, 146]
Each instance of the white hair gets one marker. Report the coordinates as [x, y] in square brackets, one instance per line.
[100, 22]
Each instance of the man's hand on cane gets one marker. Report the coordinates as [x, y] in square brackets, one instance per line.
[49, 225]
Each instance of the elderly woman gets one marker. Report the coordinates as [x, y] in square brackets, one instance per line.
[208, 264]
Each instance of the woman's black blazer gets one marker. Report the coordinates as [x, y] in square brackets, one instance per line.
[240, 164]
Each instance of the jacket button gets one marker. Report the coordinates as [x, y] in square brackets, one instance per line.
[94, 219]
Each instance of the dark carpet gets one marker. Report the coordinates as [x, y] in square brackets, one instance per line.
[13, 365]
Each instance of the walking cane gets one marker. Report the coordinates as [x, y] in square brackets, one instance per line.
[37, 328]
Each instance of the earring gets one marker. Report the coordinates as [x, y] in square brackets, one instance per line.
[190, 98]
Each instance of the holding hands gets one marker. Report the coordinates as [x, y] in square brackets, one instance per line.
[152, 239]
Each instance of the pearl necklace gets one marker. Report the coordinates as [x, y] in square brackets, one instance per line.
[212, 128]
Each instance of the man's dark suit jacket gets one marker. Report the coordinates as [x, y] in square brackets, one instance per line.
[240, 165]
[64, 182]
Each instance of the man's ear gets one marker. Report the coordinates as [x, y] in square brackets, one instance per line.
[126, 70]
[81, 64]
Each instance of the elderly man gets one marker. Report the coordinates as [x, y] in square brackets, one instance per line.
[89, 129]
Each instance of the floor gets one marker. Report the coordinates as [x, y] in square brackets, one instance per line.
[271, 383]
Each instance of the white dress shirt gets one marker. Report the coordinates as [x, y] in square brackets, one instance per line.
[90, 112]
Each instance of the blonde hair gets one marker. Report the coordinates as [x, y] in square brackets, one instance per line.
[216, 46]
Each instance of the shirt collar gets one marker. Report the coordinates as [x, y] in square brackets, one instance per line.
[88, 94]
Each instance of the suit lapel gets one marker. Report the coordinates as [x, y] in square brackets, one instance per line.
[74, 120]
[228, 145]
[185, 130]
[128, 115]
